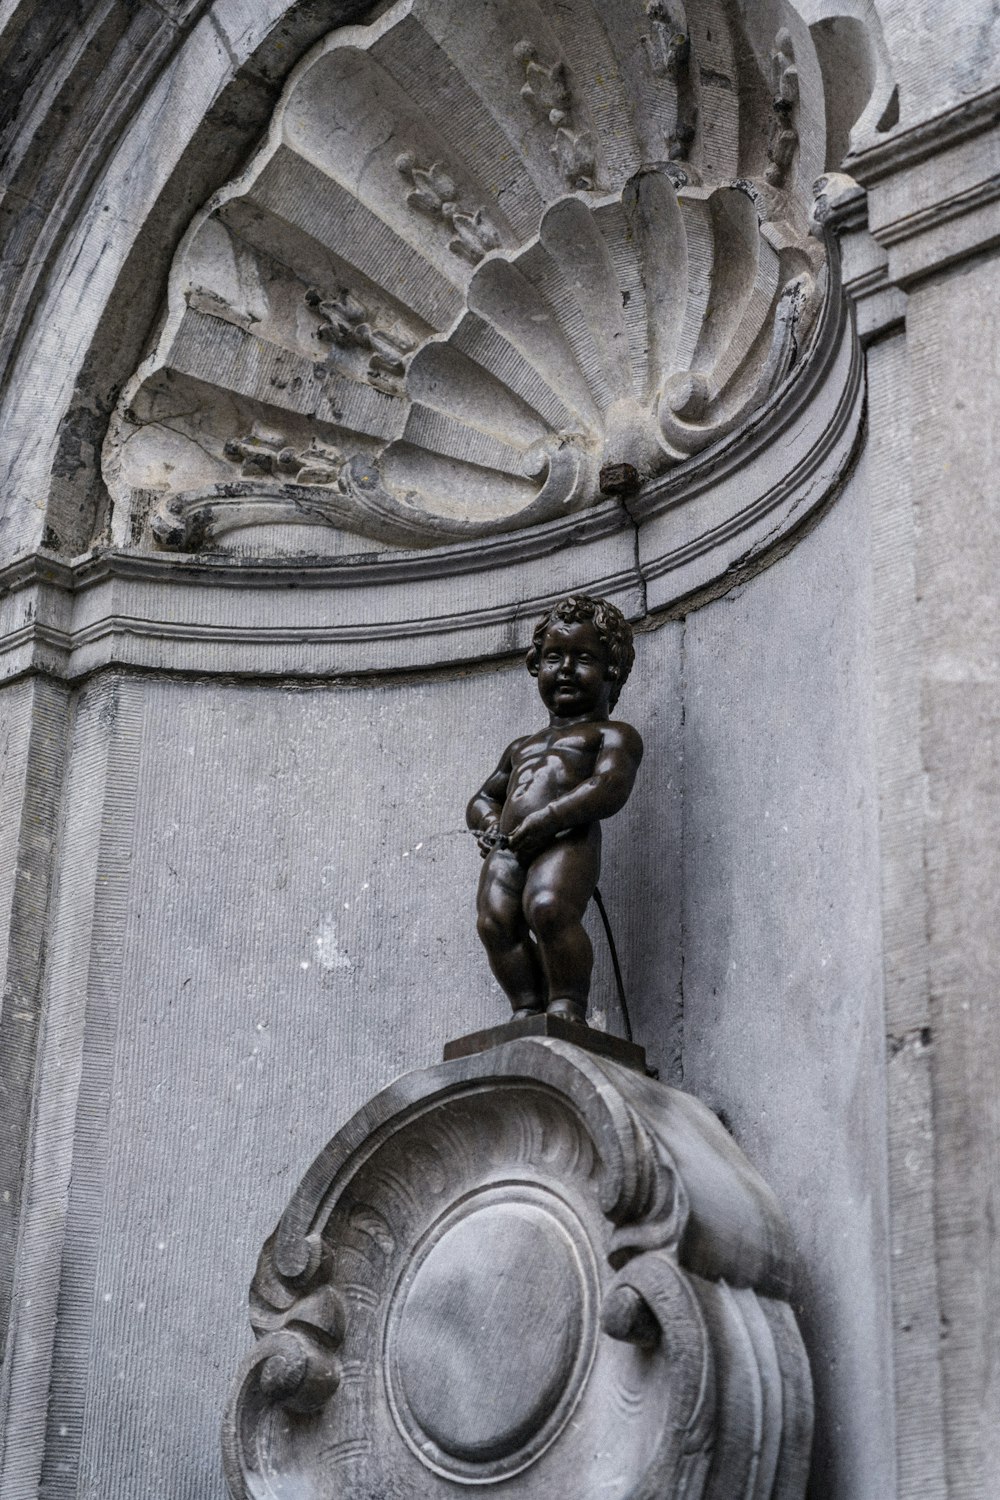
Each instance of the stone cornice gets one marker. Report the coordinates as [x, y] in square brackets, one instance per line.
[223, 615]
[360, 570]
[955, 206]
[908, 148]
[933, 191]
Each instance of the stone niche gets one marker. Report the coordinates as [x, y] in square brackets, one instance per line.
[522, 289]
[533, 1267]
[510, 301]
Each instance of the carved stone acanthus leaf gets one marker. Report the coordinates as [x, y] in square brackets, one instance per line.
[355, 500]
[435, 194]
[346, 321]
[668, 45]
[574, 151]
[546, 90]
[520, 279]
[784, 136]
[528, 1266]
[839, 200]
[260, 456]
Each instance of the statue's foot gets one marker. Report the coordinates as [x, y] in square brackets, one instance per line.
[568, 1010]
[523, 1012]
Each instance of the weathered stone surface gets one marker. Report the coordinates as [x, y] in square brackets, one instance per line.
[99, 196]
[953, 329]
[916, 1302]
[225, 966]
[782, 1009]
[529, 1265]
[472, 266]
[33, 721]
[132, 1000]
[566, 343]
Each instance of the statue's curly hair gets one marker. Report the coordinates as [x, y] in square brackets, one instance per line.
[611, 625]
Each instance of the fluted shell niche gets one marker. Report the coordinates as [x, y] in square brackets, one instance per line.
[494, 265]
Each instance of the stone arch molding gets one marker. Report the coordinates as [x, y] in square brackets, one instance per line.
[511, 300]
[485, 255]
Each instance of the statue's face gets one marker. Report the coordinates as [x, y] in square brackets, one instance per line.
[573, 671]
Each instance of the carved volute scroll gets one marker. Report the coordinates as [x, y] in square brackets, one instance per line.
[529, 1266]
[485, 253]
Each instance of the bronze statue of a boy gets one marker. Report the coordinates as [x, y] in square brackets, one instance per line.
[537, 818]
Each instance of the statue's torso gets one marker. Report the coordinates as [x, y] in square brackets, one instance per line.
[547, 764]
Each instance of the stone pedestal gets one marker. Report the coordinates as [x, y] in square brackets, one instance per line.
[530, 1265]
[601, 1043]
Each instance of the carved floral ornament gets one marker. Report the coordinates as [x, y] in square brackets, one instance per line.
[485, 254]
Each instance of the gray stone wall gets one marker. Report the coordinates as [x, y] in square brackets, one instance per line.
[235, 890]
[936, 573]
[266, 914]
[782, 1015]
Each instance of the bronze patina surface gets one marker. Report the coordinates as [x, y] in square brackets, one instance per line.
[538, 816]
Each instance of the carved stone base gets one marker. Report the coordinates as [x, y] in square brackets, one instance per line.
[527, 1265]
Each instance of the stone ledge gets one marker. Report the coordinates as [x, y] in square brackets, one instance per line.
[934, 190]
[600, 1043]
[913, 145]
[682, 538]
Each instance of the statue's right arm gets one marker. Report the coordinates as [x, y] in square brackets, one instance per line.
[483, 812]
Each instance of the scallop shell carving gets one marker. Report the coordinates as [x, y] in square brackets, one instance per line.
[485, 255]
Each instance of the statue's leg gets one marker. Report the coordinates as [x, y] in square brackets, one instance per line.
[504, 933]
[560, 882]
